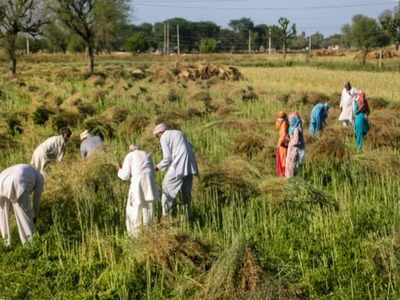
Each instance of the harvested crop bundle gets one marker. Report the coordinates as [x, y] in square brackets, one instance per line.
[236, 274]
[99, 126]
[329, 147]
[248, 94]
[233, 180]
[301, 198]
[193, 72]
[248, 144]
[168, 249]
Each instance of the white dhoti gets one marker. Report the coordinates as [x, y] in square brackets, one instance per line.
[138, 215]
[24, 217]
[346, 104]
[139, 208]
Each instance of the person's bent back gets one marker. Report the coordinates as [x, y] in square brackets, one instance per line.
[17, 183]
[90, 144]
[177, 154]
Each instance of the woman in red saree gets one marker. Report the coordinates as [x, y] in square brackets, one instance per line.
[282, 125]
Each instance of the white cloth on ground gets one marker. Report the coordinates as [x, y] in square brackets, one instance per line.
[139, 168]
[16, 185]
[346, 104]
[50, 150]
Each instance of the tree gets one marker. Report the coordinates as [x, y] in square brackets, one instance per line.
[317, 40]
[208, 45]
[79, 17]
[300, 41]
[137, 43]
[364, 33]
[287, 32]
[242, 27]
[110, 18]
[57, 36]
[333, 41]
[19, 17]
[390, 22]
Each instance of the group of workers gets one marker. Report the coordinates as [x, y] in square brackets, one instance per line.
[19, 182]
[290, 148]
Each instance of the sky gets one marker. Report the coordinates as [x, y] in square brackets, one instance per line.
[324, 16]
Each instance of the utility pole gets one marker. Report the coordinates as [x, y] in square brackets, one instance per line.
[165, 39]
[27, 46]
[310, 45]
[168, 42]
[270, 42]
[249, 41]
[178, 39]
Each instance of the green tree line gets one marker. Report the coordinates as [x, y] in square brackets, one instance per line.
[95, 26]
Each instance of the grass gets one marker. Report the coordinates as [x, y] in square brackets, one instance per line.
[331, 233]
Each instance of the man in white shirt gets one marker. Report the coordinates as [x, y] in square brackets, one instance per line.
[180, 166]
[346, 105]
[17, 183]
[139, 169]
[51, 150]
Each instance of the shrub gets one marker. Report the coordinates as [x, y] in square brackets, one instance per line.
[208, 45]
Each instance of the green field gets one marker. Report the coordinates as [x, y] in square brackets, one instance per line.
[330, 233]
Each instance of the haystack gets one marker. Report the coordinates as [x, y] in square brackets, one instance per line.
[99, 126]
[233, 180]
[115, 114]
[171, 250]
[379, 163]
[235, 275]
[248, 144]
[301, 198]
[191, 72]
[329, 146]
[384, 129]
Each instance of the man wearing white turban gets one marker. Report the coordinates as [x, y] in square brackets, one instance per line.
[180, 165]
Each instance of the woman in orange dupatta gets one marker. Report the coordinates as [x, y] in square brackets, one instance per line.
[282, 125]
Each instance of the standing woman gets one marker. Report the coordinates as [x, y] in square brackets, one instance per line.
[295, 152]
[361, 111]
[346, 105]
[281, 150]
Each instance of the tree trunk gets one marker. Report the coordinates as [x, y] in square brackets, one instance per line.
[284, 49]
[11, 50]
[91, 59]
[13, 66]
[364, 56]
[397, 46]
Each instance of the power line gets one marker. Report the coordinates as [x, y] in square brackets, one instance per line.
[271, 8]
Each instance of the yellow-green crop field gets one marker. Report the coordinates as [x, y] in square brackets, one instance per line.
[330, 233]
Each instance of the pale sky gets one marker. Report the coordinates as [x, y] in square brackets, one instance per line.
[325, 16]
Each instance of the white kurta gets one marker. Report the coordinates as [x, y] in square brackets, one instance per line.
[139, 168]
[16, 185]
[50, 150]
[180, 165]
[346, 104]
